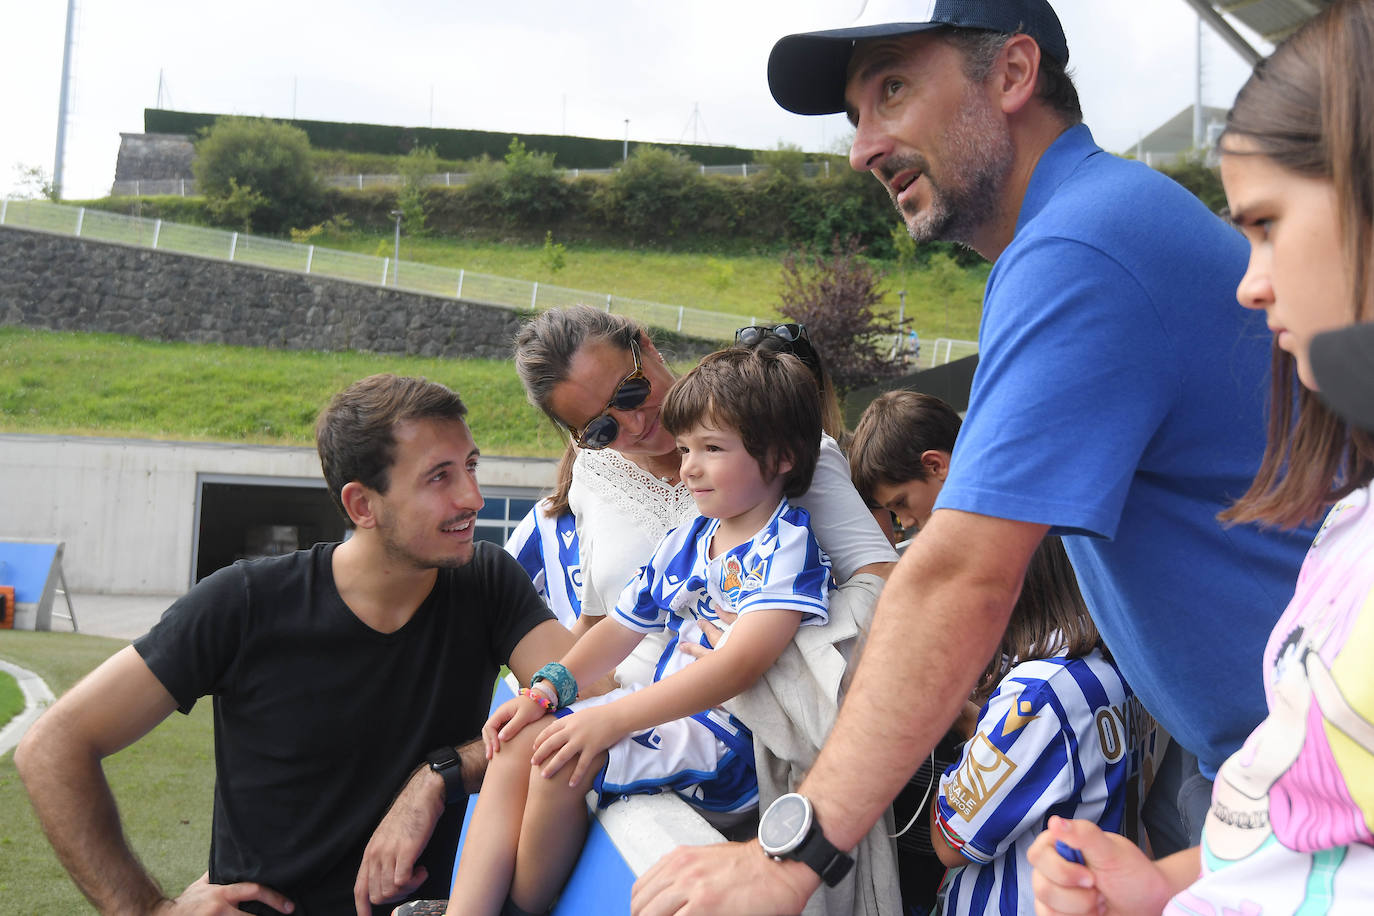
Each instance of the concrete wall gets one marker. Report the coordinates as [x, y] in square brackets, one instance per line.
[158, 156]
[62, 283]
[126, 507]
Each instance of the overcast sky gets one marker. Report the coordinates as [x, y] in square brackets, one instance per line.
[676, 71]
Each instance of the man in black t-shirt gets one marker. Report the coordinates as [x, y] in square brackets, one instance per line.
[349, 682]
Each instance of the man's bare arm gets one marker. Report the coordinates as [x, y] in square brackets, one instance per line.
[937, 623]
[59, 760]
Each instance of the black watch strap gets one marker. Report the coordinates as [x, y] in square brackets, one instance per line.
[823, 858]
[446, 762]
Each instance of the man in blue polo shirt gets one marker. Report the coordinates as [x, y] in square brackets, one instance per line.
[1118, 402]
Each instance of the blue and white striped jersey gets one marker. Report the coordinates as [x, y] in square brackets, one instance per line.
[781, 567]
[1059, 736]
[547, 549]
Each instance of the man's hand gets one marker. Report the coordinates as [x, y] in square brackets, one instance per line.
[388, 869]
[202, 897]
[722, 880]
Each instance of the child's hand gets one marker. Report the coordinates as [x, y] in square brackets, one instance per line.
[713, 633]
[507, 721]
[583, 735]
[1117, 879]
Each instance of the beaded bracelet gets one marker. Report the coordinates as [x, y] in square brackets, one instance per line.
[538, 697]
[562, 681]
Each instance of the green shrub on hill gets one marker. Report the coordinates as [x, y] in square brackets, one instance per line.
[257, 173]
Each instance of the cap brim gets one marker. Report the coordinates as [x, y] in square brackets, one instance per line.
[806, 72]
[1343, 366]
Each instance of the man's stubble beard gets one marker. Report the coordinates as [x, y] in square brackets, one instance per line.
[978, 150]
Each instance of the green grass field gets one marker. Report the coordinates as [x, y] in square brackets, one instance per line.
[164, 784]
[11, 698]
[108, 385]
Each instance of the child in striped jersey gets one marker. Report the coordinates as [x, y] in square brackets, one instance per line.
[1059, 732]
[747, 423]
[1056, 726]
[545, 543]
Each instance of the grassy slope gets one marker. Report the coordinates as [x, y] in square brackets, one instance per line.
[109, 385]
[164, 784]
[741, 284]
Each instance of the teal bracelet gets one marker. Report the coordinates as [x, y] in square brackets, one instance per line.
[562, 681]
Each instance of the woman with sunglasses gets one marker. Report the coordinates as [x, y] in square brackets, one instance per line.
[600, 378]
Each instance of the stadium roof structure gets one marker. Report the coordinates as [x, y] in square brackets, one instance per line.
[1272, 20]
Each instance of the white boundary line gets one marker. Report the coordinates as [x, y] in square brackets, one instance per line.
[37, 697]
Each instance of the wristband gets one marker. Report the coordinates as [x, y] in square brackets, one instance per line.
[538, 697]
[562, 681]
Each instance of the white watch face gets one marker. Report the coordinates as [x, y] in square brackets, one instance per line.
[785, 824]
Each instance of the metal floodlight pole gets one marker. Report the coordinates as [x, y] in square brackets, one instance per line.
[396, 271]
[64, 96]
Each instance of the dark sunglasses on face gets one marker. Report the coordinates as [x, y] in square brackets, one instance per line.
[603, 429]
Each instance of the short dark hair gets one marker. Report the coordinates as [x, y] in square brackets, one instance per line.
[355, 434]
[894, 431]
[980, 48]
[768, 398]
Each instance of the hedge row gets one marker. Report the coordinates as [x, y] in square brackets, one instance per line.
[570, 152]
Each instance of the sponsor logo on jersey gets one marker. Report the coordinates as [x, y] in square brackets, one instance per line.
[979, 776]
[1019, 717]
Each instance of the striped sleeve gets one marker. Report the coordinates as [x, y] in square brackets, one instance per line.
[524, 544]
[1019, 763]
[786, 569]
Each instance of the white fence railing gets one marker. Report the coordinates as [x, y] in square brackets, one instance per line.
[454, 283]
[186, 187]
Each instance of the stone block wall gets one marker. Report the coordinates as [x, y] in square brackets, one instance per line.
[62, 283]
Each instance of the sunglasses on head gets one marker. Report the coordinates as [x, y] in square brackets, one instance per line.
[752, 335]
[603, 429]
[789, 337]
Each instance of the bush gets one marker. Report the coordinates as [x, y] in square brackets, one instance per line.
[532, 191]
[656, 194]
[1200, 178]
[259, 171]
[835, 296]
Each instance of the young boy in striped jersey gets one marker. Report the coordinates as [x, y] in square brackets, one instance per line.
[748, 425]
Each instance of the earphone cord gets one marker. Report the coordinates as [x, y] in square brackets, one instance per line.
[922, 806]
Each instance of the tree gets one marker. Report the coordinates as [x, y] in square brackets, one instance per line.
[835, 296]
[656, 193]
[1193, 172]
[532, 190]
[415, 167]
[32, 182]
[267, 160]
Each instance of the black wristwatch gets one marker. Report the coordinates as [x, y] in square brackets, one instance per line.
[446, 762]
[788, 830]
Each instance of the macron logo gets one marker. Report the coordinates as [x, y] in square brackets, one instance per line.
[567, 537]
[650, 739]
